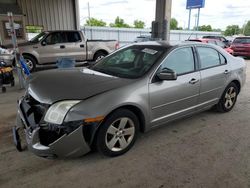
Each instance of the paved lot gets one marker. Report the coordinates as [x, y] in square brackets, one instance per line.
[206, 150]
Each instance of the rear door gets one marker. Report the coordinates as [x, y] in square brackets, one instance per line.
[75, 46]
[171, 99]
[214, 71]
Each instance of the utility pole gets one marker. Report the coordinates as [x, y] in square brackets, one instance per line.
[88, 11]
[198, 19]
[189, 18]
[161, 25]
[16, 51]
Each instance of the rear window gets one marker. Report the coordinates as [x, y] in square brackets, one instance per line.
[242, 40]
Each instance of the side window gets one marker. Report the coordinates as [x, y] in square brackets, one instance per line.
[54, 38]
[208, 57]
[73, 37]
[220, 44]
[211, 42]
[181, 61]
[222, 59]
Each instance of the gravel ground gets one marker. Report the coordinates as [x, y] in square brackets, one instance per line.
[207, 150]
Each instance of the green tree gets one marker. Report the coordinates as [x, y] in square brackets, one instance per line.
[139, 24]
[246, 29]
[205, 28]
[95, 22]
[173, 24]
[232, 30]
[119, 22]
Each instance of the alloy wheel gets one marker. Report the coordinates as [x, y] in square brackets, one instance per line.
[230, 97]
[120, 134]
[29, 63]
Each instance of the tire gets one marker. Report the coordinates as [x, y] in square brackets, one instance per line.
[118, 133]
[99, 55]
[228, 98]
[30, 62]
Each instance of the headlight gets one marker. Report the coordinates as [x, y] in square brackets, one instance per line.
[58, 111]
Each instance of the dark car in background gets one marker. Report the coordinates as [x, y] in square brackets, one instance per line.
[241, 46]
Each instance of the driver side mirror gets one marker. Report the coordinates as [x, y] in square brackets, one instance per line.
[43, 43]
[167, 74]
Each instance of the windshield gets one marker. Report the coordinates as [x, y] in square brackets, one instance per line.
[130, 62]
[38, 38]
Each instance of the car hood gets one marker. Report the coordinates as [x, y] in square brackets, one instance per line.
[71, 84]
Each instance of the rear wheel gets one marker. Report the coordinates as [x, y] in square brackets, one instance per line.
[30, 62]
[118, 133]
[99, 55]
[228, 99]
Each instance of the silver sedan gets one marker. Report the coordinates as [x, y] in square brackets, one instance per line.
[67, 112]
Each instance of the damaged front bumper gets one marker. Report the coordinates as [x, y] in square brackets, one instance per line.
[49, 140]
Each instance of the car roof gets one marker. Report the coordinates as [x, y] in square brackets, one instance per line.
[243, 37]
[166, 44]
[203, 39]
[212, 36]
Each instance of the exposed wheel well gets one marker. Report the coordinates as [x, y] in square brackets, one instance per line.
[27, 54]
[134, 109]
[138, 113]
[100, 51]
[237, 83]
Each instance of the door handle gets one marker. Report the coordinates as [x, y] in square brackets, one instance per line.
[193, 81]
[82, 46]
[226, 72]
[62, 46]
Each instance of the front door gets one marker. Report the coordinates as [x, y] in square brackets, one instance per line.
[52, 48]
[171, 99]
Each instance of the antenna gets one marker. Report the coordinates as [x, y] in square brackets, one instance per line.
[190, 35]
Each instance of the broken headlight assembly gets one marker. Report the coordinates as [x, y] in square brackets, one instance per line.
[57, 112]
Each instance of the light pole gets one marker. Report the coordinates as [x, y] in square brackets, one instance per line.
[244, 27]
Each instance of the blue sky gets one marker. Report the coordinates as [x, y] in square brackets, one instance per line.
[218, 13]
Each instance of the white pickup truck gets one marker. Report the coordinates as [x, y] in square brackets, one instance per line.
[48, 46]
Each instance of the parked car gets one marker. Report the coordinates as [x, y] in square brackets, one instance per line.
[221, 38]
[210, 41]
[241, 46]
[6, 56]
[213, 41]
[145, 38]
[137, 88]
[48, 46]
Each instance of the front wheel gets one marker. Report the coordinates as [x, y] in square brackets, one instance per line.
[228, 98]
[30, 62]
[118, 133]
